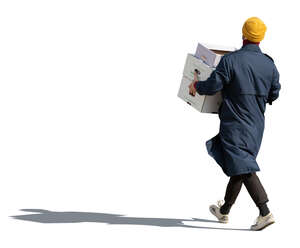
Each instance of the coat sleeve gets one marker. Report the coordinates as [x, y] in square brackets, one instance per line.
[216, 81]
[275, 87]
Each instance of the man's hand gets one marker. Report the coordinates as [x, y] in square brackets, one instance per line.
[192, 90]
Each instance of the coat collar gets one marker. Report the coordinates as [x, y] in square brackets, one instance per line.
[251, 47]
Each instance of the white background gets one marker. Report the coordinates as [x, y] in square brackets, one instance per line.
[90, 121]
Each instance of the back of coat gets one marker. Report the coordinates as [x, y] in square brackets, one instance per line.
[248, 80]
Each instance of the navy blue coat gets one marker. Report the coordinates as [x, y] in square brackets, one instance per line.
[248, 79]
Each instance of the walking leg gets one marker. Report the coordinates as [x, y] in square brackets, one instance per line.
[257, 192]
[233, 189]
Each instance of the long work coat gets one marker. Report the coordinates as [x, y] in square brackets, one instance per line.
[248, 79]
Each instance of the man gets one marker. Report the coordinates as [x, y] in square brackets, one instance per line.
[248, 79]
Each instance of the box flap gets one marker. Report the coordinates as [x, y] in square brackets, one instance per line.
[219, 48]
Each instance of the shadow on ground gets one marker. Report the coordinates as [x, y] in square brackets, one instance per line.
[45, 216]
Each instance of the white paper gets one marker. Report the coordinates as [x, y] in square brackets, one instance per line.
[206, 55]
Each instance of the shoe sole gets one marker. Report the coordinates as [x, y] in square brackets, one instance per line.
[262, 228]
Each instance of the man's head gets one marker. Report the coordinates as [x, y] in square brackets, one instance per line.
[254, 29]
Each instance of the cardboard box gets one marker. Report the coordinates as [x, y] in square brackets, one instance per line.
[204, 66]
[203, 103]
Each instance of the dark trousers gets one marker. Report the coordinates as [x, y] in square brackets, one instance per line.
[253, 186]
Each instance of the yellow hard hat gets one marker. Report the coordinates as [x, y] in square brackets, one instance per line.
[254, 29]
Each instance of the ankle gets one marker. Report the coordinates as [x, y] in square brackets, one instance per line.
[225, 209]
[263, 209]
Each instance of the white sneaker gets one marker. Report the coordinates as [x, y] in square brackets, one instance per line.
[262, 222]
[215, 210]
